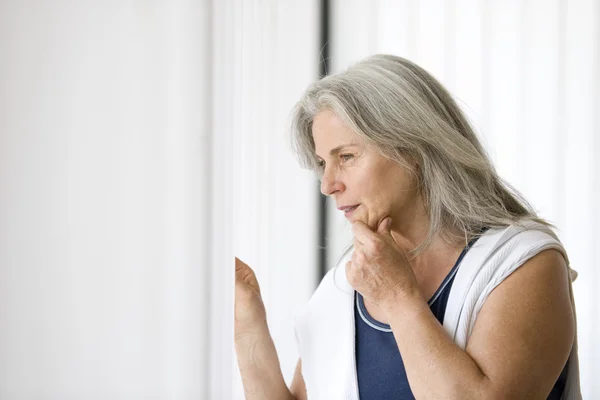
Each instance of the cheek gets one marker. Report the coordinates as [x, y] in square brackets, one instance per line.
[385, 195]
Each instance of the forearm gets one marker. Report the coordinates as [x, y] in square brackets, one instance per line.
[259, 367]
[435, 366]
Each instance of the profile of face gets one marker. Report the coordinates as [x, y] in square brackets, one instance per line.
[355, 175]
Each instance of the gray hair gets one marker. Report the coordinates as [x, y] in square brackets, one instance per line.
[406, 114]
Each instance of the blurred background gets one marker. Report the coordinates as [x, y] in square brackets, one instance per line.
[143, 144]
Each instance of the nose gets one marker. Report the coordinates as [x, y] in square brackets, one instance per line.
[330, 184]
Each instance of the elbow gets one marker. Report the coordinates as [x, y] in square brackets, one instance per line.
[482, 389]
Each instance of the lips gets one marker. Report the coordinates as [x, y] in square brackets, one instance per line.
[347, 209]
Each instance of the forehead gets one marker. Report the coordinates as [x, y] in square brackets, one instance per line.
[329, 131]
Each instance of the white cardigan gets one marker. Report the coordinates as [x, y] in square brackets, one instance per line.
[325, 328]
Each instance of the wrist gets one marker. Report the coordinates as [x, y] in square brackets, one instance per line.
[406, 306]
[256, 350]
[247, 333]
[259, 366]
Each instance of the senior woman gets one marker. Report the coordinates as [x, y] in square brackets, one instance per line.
[453, 287]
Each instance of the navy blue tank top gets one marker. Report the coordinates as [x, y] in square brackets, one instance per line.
[379, 366]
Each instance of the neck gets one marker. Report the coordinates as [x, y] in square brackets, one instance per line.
[410, 225]
[410, 232]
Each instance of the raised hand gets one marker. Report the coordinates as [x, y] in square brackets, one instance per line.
[250, 315]
[379, 269]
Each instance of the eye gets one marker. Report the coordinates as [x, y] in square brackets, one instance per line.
[346, 157]
[320, 163]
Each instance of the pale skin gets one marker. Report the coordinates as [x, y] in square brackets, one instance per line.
[522, 336]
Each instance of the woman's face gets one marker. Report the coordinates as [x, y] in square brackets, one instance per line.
[356, 175]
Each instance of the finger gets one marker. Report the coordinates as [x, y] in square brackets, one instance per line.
[239, 264]
[241, 268]
[384, 227]
[384, 231]
[362, 232]
[357, 243]
[359, 255]
[354, 258]
[348, 268]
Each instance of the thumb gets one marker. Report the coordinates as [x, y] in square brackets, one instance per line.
[384, 227]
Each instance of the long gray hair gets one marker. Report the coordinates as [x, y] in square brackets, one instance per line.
[406, 114]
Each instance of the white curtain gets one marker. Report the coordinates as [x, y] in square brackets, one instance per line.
[142, 146]
[274, 58]
[526, 73]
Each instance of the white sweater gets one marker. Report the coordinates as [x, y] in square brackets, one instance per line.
[325, 328]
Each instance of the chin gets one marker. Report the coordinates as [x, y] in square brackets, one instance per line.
[361, 218]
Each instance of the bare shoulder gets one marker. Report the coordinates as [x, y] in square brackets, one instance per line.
[523, 334]
[298, 387]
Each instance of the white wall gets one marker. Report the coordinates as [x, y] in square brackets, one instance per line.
[104, 142]
[526, 73]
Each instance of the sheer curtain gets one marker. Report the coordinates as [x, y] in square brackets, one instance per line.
[142, 146]
[274, 57]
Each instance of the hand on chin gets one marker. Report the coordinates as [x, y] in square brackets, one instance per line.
[365, 220]
[360, 216]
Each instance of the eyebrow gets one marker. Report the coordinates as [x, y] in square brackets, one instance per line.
[339, 149]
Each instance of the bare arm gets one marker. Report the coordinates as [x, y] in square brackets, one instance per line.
[254, 347]
[298, 387]
[519, 345]
[259, 367]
